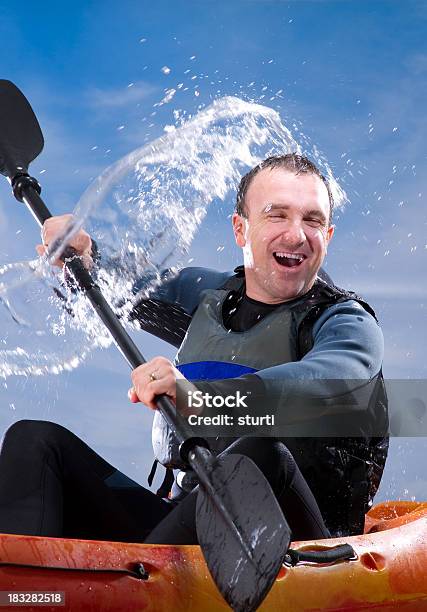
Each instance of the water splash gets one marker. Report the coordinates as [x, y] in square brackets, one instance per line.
[144, 212]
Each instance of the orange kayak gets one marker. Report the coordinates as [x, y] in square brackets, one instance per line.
[389, 572]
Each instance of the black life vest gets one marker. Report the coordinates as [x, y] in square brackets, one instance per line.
[343, 473]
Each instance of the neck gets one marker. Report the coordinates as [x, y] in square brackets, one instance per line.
[257, 293]
[259, 296]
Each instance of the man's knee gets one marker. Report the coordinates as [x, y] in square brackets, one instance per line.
[27, 432]
[271, 456]
[263, 450]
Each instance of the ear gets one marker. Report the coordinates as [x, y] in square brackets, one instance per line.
[329, 233]
[239, 229]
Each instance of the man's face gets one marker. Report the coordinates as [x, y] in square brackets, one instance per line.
[286, 234]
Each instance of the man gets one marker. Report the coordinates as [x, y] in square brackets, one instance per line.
[270, 325]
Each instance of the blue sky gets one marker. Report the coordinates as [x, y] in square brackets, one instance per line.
[352, 82]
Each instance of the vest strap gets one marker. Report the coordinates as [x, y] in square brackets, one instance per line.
[152, 472]
[166, 486]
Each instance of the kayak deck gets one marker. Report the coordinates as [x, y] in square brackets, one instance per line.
[389, 571]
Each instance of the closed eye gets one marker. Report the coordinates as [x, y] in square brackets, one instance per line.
[276, 215]
[315, 222]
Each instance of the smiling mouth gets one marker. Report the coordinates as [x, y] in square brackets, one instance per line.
[289, 260]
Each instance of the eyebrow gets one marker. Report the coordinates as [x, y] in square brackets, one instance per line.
[311, 213]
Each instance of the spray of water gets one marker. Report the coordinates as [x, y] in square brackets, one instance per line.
[143, 211]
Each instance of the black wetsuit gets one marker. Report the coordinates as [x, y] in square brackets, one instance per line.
[53, 484]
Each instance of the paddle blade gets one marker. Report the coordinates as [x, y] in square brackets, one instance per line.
[21, 139]
[244, 561]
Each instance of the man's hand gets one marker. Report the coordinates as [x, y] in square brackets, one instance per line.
[157, 377]
[55, 227]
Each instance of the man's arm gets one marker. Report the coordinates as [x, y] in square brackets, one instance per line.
[167, 312]
[347, 344]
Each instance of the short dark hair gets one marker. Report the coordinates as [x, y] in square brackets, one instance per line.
[298, 164]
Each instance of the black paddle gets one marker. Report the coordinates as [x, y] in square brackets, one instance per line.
[241, 528]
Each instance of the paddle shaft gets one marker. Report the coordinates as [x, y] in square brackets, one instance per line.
[27, 190]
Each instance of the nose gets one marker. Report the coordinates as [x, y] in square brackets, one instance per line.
[294, 234]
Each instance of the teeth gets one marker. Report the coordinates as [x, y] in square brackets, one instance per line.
[290, 256]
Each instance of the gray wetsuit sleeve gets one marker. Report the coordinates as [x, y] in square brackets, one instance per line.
[167, 312]
[347, 344]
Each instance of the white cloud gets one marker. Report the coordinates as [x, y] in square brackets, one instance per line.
[392, 289]
[309, 1]
[120, 97]
[4, 225]
[417, 63]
